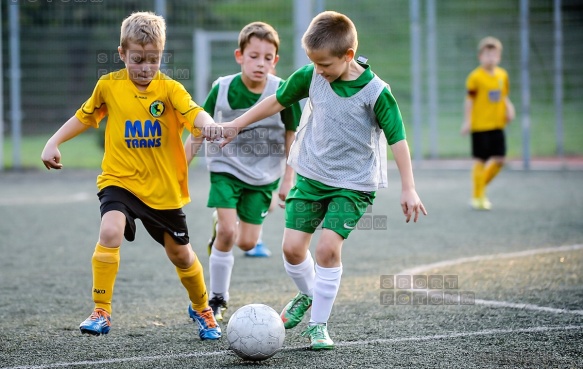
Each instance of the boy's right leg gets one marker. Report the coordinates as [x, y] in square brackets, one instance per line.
[105, 265]
[299, 266]
[479, 201]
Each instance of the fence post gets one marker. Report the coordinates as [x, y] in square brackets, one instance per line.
[416, 79]
[559, 78]
[15, 103]
[2, 95]
[431, 60]
[525, 83]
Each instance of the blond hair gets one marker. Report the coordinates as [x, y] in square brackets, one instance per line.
[262, 31]
[143, 28]
[331, 31]
[489, 43]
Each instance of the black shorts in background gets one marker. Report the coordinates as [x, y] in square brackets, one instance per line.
[156, 222]
[488, 143]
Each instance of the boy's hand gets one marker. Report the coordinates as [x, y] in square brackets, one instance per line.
[410, 203]
[465, 128]
[212, 131]
[230, 131]
[510, 112]
[51, 157]
[283, 191]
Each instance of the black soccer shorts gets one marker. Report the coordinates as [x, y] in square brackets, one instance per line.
[156, 222]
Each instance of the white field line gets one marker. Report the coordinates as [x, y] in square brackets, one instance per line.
[422, 268]
[511, 305]
[436, 337]
[501, 304]
[48, 199]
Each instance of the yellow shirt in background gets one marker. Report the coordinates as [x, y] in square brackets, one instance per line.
[488, 92]
[144, 152]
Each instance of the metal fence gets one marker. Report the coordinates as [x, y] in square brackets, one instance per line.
[66, 44]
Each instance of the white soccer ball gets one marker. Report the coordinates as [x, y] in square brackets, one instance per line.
[255, 332]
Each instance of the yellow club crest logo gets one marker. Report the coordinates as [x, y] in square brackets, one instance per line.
[157, 108]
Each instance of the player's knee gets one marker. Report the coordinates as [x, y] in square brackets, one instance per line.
[293, 254]
[327, 255]
[227, 234]
[182, 261]
[246, 244]
[181, 256]
[110, 234]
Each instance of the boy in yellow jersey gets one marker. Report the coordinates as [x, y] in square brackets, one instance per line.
[245, 175]
[144, 166]
[487, 110]
[340, 157]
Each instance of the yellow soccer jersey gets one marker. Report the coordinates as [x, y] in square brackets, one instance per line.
[144, 152]
[488, 92]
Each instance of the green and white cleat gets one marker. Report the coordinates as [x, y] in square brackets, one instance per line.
[294, 311]
[319, 338]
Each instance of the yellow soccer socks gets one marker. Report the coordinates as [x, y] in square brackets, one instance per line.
[482, 175]
[105, 264]
[478, 177]
[192, 279]
[491, 171]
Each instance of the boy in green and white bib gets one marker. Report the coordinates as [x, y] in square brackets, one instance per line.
[339, 155]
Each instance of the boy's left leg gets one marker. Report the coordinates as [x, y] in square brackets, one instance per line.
[342, 216]
[497, 156]
[248, 235]
[190, 272]
[261, 250]
[249, 240]
[493, 167]
[326, 285]
[221, 261]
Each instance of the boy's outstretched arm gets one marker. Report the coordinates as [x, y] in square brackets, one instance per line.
[51, 156]
[210, 130]
[266, 108]
[410, 201]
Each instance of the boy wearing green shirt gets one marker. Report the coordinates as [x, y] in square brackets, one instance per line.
[339, 155]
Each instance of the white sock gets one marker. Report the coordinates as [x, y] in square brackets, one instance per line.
[326, 287]
[220, 268]
[259, 240]
[302, 274]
